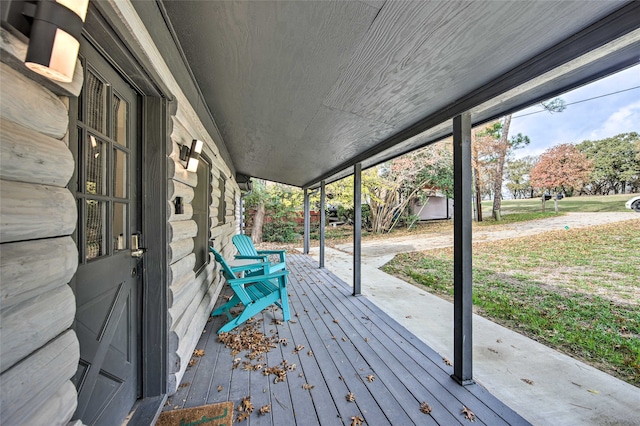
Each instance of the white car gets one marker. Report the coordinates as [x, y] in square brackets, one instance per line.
[633, 204]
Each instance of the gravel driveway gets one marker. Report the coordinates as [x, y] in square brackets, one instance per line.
[378, 252]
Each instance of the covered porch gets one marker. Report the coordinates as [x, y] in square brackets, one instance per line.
[339, 345]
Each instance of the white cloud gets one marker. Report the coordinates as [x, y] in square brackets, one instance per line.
[625, 119]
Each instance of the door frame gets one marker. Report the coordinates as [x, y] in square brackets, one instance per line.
[155, 110]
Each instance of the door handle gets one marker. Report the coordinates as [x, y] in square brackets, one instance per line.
[138, 252]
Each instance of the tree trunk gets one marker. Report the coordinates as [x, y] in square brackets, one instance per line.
[258, 221]
[476, 177]
[502, 155]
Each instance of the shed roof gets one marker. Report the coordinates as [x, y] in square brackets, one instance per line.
[302, 90]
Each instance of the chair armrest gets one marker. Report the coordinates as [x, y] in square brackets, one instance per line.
[256, 278]
[271, 251]
[250, 266]
[244, 256]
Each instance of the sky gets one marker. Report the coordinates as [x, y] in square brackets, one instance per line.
[590, 120]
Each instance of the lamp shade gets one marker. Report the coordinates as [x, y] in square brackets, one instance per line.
[54, 41]
[194, 155]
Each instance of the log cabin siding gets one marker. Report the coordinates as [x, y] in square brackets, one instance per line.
[39, 352]
[191, 297]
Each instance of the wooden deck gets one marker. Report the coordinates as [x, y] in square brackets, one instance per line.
[350, 339]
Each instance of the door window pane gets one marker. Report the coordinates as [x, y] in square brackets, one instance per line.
[95, 92]
[95, 228]
[119, 173]
[119, 228]
[120, 114]
[96, 166]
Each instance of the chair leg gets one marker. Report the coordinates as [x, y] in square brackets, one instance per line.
[284, 298]
[226, 307]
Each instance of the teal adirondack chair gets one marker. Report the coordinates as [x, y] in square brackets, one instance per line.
[247, 250]
[255, 292]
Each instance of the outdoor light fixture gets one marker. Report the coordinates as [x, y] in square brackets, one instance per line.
[53, 28]
[191, 155]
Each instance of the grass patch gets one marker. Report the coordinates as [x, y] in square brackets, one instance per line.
[577, 291]
[593, 204]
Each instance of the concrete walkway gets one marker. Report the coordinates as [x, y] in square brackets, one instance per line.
[563, 390]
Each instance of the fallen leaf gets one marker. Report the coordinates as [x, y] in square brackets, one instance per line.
[425, 408]
[366, 339]
[307, 386]
[446, 361]
[242, 417]
[193, 362]
[370, 378]
[527, 381]
[468, 414]
[298, 349]
[264, 409]
[336, 320]
[310, 353]
[344, 339]
[246, 405]
[356, 421]
[184, 385]
[283, 341]
[219, 388]
[198, 353]
[351, 397]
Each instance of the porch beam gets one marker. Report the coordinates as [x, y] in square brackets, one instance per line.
[307, 221]
[322, 222]
[462, 251]
[357, 227]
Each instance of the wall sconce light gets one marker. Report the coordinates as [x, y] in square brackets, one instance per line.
[191, 155]
[54, 29]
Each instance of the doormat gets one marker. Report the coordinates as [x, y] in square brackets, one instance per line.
[208, 415]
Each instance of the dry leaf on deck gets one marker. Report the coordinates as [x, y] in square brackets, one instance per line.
[356, 421]
[198, 352]
[298, 349]
[446, 361]
[307, 386]
[219, 388]
[265, 409]
[351, 397]
[425, 408]
[468, 414]
[242, 417]
[370, 378]
[310, 353]
[193, 362]
[336, 320]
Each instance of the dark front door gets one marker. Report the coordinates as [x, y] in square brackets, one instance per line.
[108, 279]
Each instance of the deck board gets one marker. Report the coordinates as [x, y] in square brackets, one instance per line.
[350, 338]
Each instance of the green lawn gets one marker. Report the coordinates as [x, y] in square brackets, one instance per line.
[597, 203]
[577, 290]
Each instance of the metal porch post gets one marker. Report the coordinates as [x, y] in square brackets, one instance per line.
[322, 224]
[462, 272]
[357, 226]
[307, 221]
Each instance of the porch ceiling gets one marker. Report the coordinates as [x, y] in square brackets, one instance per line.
[300, 90]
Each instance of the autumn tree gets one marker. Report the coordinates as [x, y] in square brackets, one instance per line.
[616, 162]
[517, 174]
[500, 145]
[389, 188]
[560, 169]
